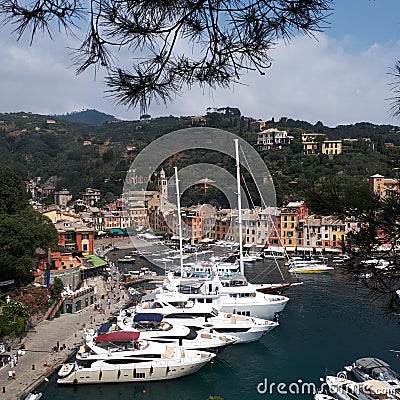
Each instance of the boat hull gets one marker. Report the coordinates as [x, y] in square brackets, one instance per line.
[306, 270]
[261, 310]
[129, 373]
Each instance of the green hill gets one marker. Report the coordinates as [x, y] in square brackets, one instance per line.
[90, 117]
[76, 155]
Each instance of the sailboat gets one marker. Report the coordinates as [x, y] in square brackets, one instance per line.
[234, 295]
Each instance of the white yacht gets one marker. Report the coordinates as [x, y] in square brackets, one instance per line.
[202, 316]
[340, 260]
[124, 357]
[274, 253]
[205, 269]
[300, 265]
[127, 259]
[153, 327]
[233, 295]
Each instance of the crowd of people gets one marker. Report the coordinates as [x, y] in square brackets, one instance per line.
[10, 361]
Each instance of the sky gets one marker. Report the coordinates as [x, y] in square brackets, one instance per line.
[340, 77]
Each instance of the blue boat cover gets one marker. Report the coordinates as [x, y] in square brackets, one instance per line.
[147, 317]
[104, 328]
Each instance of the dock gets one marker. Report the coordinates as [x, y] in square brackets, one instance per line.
[39, 360]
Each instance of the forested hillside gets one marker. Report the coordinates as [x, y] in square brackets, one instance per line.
[79, 155]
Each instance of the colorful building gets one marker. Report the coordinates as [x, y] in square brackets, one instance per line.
[382, 186]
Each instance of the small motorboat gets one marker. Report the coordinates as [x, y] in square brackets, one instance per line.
[34, 396]
[299, 265]
[322, 396]
[346, 389]
[65, 370]
[127, 259]
[369, 368]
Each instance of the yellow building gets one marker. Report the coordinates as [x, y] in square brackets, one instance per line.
[337, 231]
[288, 228]
[331, 147]
[318, 143]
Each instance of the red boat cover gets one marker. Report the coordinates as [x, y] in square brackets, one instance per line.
[120, 336]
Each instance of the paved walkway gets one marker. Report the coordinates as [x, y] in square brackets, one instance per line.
[104, 245]
[39, 361]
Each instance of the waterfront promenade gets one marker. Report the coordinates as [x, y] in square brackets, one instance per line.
[39, 361]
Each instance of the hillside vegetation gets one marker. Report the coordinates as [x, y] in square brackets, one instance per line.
[79, 155]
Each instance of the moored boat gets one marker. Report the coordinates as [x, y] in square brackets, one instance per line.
[200, 316]
[372, 368]
[322, 396]
[127, 259]
[153, 328]
[346, 389]
[34, 396]
[124, 357]
[299, 265]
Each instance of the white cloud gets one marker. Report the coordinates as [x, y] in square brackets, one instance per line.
[309, 80]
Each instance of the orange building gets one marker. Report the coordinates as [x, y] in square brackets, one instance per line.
[382, 186]
[75, 237]
[291, 214]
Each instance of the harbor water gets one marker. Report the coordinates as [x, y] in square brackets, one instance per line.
[327, 324]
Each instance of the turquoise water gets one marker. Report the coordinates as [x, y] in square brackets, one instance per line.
[327, 324]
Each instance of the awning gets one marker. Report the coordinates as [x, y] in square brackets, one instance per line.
[117, 231]
[120, 336]
[95, 261]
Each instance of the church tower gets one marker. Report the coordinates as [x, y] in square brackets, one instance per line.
[163, 186]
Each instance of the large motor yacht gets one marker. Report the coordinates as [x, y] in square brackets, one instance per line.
[124, 357]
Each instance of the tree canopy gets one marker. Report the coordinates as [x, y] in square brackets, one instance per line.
[22, 230]
[374, 237]
[224, 38]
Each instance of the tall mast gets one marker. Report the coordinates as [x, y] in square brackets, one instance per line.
[178, 203]
[239, 200]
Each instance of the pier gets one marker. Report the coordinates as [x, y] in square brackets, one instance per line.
[40, 360]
